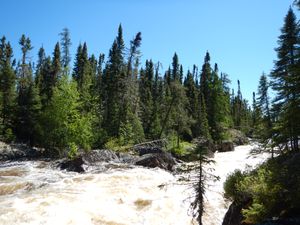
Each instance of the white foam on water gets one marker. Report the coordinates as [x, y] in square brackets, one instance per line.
[134, 196]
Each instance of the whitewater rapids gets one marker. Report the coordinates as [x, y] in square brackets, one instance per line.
[32, 192]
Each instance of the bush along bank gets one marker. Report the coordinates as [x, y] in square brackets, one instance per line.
[269, 194]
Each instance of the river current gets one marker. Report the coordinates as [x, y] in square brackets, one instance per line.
[33, 192]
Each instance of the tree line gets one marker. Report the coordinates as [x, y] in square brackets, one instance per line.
[111, 99]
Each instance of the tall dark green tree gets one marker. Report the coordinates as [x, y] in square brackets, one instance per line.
[175, 68]
[66, 43]
[145, 89]
[193, 106]
[264, 99]
[56, 66]
[129, 107]
[28, 99]
[285, 82]
[7, 91]
[114, 88]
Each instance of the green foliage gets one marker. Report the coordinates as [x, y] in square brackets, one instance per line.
[113, 100]
[73, 150]
[8, 135]
[117, 145]
[7, 91]
[231, 185]
[273, 187]
[286, 83]
[180, 150]
[62, 123]
[254, 214]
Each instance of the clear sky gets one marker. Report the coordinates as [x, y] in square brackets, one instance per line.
[239, 34]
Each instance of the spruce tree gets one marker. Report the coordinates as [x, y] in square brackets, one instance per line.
[7, 91]
[66, 43]
[56, 66]
[285, 82]
[175, 68]
[28, 99]
[114, 88]
[145, 89]
[204, 127]
[193, 106]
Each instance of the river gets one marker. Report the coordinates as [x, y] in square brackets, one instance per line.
[33, 192]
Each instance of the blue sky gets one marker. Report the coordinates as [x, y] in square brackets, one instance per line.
[240, 35]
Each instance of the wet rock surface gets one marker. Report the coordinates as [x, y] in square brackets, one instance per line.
[226, 146]
[238, 137]
[162, 160]
[18, 151]
[148, 155]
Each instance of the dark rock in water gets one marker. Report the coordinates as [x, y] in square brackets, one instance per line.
[162, 160]
[234, 214]
[74, 165]
[88, 158]
[149, 150]
[103, 155]
[226, 146]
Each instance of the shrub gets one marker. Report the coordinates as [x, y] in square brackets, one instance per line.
[232, 184]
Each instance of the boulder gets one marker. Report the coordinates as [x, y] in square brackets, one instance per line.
[127, 158]
[226, 146]
[103, 155]
[18, 151]
[162, 160]
[74, 165]
[87, 158]
[238, 137]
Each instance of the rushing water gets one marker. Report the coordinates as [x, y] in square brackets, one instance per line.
[36, 193]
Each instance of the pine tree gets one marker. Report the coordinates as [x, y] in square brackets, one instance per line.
[175, 68]
[56, 66]
[28, 99]
[220, 108]
[200, 185]
[145, 89]
[77, 68]
[39, 67]
[66, 44]
[114, 88]
[263, 98]
[45, 82]
[84, 73]
[129, 107]
[7, 90]
[157, 96]
[206, 79]
[204, 127]
[193, 107]
[256, 117]
[285, 82]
